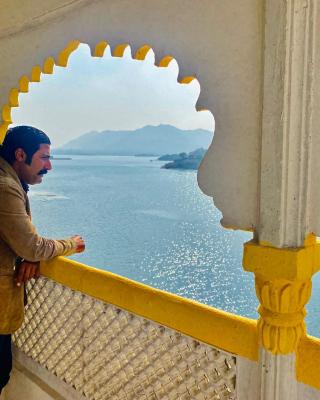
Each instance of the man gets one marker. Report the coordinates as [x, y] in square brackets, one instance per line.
[24, 159]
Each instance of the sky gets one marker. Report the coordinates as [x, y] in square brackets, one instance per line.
[109, 93]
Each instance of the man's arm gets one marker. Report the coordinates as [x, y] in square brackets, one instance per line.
[31, 269]
[17, 230]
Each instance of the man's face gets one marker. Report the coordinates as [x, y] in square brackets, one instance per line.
[40, 164]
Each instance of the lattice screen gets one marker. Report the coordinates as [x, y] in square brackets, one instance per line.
[108, 353]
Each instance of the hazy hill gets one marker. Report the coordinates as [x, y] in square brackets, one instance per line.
[147, 140]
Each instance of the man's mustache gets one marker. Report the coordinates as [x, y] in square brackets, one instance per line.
[43, 172]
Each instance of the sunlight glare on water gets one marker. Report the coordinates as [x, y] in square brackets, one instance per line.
[148, 224]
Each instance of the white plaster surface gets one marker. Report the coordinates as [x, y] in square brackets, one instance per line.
[274, 378]
[248, 379]
[22, 387]
[313, 215]
[257, 65]
[278, 377]
[289, 132]
[307, 393]
[217, 41]
[30, 381]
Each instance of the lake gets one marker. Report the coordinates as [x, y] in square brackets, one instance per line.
[152, 225]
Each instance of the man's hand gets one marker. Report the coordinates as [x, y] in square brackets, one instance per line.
[80, 243]
[27, 270]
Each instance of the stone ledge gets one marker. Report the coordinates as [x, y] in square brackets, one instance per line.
[30, 381]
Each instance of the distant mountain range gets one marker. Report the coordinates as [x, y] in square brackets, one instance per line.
[155, 140]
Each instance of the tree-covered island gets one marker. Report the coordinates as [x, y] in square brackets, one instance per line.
[183, 160]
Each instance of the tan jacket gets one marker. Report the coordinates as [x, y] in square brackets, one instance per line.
[18, 237]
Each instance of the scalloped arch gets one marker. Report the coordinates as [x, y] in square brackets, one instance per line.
[62, 61]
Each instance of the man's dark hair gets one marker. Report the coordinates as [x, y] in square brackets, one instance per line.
[25, 137]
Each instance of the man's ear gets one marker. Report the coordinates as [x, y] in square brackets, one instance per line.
[20, 154]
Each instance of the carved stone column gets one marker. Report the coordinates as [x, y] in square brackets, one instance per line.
[283, 287]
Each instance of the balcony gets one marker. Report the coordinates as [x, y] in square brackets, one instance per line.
[90, 334]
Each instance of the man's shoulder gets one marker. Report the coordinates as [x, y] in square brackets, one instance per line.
[8, 182]
[8, 176]
[6, 179]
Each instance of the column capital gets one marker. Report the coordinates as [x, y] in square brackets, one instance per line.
[283, 286]
[292, 263]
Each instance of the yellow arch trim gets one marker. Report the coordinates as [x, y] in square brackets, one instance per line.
[62, 61]
[100, 49]
[229, 332]
[187, 79]
[48, 66]
[142, 52]
[14, 97]
[6, 114]
[63, 56]
[120, 49]
[24, 84]
[35, 74]
[165, 61]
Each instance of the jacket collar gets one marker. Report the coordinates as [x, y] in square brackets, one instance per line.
[7, 168]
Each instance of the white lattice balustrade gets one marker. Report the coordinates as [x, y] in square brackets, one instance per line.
[104, 352]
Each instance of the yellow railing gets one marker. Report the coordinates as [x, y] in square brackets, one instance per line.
[127, 314]
[229, 332]
[106, 336]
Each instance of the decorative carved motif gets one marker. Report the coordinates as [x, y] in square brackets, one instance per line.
[282, 312]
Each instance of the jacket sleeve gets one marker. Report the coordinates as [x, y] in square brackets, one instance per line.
[17, 230]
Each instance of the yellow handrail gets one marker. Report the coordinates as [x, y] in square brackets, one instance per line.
[229, 332]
